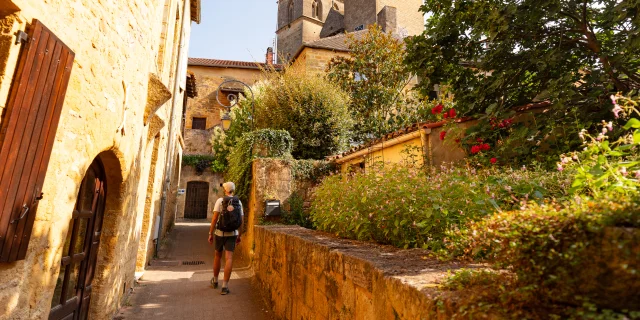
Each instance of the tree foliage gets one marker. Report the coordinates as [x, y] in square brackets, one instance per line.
[496, 55]
[375, 77]
[308, 106]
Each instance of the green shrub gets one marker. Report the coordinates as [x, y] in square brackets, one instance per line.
[223, 142]
[551, 248]
[311, 108]
[202, 162]
[257, 144]
[296, 215]
[410, 208]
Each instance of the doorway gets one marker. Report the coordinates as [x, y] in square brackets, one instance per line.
[72, 294]
[197, 201]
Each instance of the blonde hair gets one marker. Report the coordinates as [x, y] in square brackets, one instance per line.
[229, 187]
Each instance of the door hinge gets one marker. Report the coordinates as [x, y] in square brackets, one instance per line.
[21, 37]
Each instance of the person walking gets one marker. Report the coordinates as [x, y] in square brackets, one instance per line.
[225, 233]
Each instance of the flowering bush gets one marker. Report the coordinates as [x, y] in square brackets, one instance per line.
[606, 165]
[413, 208]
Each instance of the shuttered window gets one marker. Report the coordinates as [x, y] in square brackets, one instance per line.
[27, 135]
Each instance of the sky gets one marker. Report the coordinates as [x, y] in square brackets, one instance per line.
[234, 30]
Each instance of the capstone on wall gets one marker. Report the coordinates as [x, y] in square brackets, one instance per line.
[102, 117]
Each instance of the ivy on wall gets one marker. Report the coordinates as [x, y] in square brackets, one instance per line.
[265, 143]
[202, 162]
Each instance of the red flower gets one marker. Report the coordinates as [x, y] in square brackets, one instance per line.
[475, 149]
[494, 160]
[479, 140]
[485, 147]
[457, 140]
[437, 109]
[452, 113]
[442, 134]
[445, 115]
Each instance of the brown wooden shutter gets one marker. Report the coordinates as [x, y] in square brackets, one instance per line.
[28, 133]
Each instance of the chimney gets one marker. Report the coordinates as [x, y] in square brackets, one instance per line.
[387, 19]
[269, 59]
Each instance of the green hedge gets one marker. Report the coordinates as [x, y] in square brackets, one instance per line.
[411, 208]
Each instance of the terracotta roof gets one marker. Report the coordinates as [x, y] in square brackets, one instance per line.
[425, 125]
[231, 64]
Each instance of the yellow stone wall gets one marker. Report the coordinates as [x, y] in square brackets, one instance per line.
[408, 153]
[316, 60]
[118, 44]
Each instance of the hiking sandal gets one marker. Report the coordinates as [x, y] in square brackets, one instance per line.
[225, 291]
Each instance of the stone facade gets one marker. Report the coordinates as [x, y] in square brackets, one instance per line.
[299, 27]
[119, 47]
[198, 142]
[317, 59]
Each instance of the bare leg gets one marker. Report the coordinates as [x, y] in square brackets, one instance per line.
[216, 263]
[228, 264]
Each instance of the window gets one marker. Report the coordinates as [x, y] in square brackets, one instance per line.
[290, 17]
[316, 9]
[199, 123]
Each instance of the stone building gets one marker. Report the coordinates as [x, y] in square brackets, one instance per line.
[202, 115]
[91, 96]
[302, 22]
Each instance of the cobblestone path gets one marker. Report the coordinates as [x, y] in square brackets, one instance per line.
[172, 289]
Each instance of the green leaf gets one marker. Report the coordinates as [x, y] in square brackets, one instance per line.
[636, 137]
[632, 123]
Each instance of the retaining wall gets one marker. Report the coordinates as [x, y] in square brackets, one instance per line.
[306, 274]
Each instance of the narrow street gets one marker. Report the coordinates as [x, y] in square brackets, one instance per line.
[176, 286]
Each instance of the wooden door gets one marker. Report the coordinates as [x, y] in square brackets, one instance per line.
[197, 200]
[72, 295]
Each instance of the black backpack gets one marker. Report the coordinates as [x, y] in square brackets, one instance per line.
[230, 220]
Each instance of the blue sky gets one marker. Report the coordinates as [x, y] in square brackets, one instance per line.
[234, 30]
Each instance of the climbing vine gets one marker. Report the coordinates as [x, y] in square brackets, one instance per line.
[266, 143]
[201, 162]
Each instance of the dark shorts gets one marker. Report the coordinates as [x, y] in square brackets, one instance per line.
[228, 243]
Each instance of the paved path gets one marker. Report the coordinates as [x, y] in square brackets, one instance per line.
[171, 290]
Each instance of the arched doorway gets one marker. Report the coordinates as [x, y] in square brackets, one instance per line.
[72, 294]
[197, 201]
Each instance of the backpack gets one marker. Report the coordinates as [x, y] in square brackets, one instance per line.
[230, 220]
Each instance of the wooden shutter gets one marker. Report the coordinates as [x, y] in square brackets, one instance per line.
[28, 133]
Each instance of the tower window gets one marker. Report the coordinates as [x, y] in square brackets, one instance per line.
[316, 9]
[290, 17]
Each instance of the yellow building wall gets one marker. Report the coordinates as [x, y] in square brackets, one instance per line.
[408, 153]
[118, 45]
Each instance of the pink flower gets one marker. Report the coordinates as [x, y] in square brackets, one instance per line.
[637, 174]
[560, 168]
[494, 160]
[616, 111]
[610, 126]
[623, 171]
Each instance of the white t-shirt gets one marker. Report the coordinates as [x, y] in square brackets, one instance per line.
[218, 208]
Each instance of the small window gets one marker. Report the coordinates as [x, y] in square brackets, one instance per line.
[316, 9]
[199, 123]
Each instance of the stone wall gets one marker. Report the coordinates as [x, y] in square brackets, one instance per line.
[117, 46]
[306, 274]
[316, 60]
[214, 180]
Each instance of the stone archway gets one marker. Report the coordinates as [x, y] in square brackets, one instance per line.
[108, 278]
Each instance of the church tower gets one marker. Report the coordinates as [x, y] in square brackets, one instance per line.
[301, 21]
[305, 21]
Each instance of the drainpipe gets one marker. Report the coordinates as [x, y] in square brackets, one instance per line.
[169, 160]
